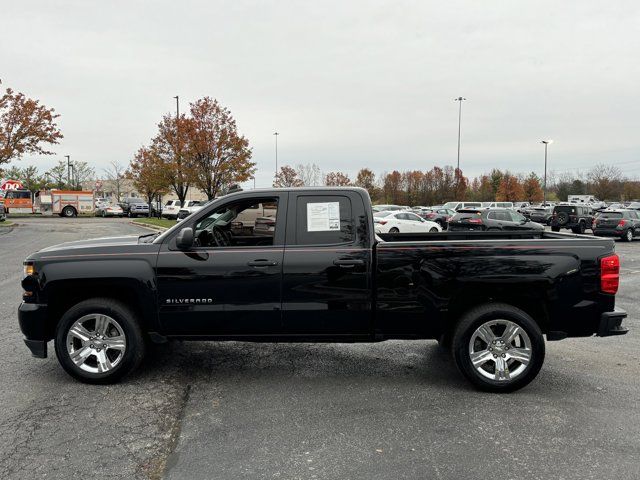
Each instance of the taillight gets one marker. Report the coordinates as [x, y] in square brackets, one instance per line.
[381, 222]
[610, 274]
[622, 223]
[431, 215]
[475, 220]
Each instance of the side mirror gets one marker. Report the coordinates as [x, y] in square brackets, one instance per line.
[184, 240]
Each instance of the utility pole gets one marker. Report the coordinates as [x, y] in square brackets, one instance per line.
[544, 185]
[68, 169]
[459, 100]
[276, 135]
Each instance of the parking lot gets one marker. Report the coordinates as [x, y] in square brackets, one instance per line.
[346, 411]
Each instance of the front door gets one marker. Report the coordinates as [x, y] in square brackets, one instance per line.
[228, 283]
[326, 288]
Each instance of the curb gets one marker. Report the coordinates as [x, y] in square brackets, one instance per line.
[9, 229]
[155, 228]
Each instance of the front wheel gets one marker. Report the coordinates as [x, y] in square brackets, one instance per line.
[68, 212]
[433, 230]
[394, 230]
[99, 341]
[498, 347]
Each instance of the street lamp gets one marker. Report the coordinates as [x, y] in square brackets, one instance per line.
[68, 169]
[276, 135]
[460, 100]
[544, 185]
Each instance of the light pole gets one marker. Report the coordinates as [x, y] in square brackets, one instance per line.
[68, 169]
[544, 184]
[276, 135]
[459, 100]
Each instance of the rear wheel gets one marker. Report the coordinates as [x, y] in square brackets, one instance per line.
[69, 212]
[99, 341]
[394, 230]
[433, 230]
[628, 235]
[498, 347]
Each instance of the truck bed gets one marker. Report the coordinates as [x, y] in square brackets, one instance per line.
[462, 235]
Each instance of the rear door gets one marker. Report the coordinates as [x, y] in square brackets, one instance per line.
[326, 288]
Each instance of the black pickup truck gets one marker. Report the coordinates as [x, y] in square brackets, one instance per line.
[309, 268]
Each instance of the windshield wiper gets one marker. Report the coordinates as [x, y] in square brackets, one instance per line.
[149, 237]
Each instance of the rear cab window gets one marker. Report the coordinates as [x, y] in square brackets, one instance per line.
[324, 220]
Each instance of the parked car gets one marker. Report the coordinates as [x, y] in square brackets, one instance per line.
[135, 207]
[109, 210]
[493, 219]
[171, 209]
[572, 216]
[439, 215]
[520, 206]
[403, 222]
[385, 208]
[497, 204]
[539, 214]
[624, 224]
[188, 208]
[3, 214]
[322, 276]
[462, 205]
[634, 206]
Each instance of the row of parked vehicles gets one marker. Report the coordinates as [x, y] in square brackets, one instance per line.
[613, 220]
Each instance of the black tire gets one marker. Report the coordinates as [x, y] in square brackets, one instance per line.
[394, 230]
[433, 230]
[104, 214]
[581, 228]
[478, 316]
[562, 218]
[555, 229]
[135, 345]
[69, 212]
[628, 235]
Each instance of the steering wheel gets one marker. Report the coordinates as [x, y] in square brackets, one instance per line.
[219, 237]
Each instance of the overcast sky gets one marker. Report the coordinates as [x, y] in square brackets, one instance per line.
[347, 84]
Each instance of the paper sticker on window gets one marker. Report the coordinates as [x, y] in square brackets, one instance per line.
[323, 217]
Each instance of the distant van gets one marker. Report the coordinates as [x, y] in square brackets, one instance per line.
[462, 205]
[497, 204]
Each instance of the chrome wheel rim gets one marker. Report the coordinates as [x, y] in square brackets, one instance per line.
[96, 343]
[500, 350]
[629, 235]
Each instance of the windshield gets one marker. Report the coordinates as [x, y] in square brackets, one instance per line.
[611, 215]
[450, 205]
[382, 214]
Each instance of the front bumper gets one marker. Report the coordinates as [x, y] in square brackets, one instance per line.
[611, 323]
[32, 319]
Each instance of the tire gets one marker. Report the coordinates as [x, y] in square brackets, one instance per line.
[581, 228]
[628, 235]
[497, 317]
[562, 218]
[433, 230]
[394, 230]
[555, 229]
[118, 360]
[104, 214]
[69, 212]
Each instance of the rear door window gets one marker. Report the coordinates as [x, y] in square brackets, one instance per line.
[324, 220]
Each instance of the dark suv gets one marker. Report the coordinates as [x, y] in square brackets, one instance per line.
[624, 224]
[576, 217]
[491, 219]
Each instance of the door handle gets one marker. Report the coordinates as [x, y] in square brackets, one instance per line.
[348, 262]
[262, 263]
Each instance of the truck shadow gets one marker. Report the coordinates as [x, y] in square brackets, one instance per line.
[414, 361]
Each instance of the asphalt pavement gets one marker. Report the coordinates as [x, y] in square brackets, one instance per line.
[398, 409]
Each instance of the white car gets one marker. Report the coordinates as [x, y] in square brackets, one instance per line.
[108, 210]
[171, 209]
[403, 222]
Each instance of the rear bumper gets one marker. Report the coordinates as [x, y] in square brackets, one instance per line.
[602, 232]
[611, 323]
[32, 319]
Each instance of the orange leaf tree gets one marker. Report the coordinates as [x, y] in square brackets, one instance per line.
[149, 175]
[220, 155]
[510, 189]
[287, 177]
[532, 190]
[172, 145]
[337, 179]
[25, 126]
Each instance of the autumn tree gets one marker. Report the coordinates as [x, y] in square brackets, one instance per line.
[309, 174]
[531, 189]
[485, 189]
[392, 187]
[510, 189]
[220, 156]
[116, 174]
[25, 127]
[287, 177]
[461, 184]
[148, 174]
[82, 172]
[337, 179]
[367, 179]
[172, 144]
[496, 177]
[605, 182]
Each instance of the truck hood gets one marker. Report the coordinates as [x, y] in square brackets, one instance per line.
[94, 243]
